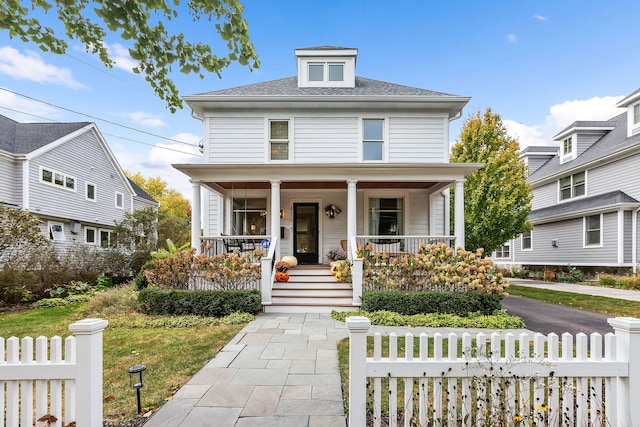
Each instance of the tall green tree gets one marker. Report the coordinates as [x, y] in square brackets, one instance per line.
[174, 213]
[141, 25]
[497, 197]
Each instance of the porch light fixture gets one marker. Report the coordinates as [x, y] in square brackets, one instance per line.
[281, 213]
[135, 381]
[331, 211]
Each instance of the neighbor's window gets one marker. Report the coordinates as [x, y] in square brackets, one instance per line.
[249, 216]
[372, 139]
[56, 232]
[593, 230]
[105, 238]
[91, 192]
[573, 186]
[58, 179]
[503, 251]
[527, 241]
[636, 114]
[386, 217]
[90, 235]
[279, 139]
[119, 200]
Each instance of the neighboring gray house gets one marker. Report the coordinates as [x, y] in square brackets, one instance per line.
[66, 174]
[586, 196]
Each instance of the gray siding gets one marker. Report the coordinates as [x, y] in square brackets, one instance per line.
[85, 159]
[326, 139]
[586, 140]
[10, 181]
[623, 175]
[628, 237]
[535, 162]
[545, 195]
[414, 139]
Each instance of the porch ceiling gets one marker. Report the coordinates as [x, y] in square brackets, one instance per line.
[322, 185]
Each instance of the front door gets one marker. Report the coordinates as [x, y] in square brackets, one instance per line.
[305, 232]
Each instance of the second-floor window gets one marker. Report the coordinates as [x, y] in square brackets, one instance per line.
[279, 139]
[119, 200]
[91, 192]
[573, 186]
[372, 139]
[58, 179]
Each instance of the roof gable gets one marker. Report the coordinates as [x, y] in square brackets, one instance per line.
[23, 138]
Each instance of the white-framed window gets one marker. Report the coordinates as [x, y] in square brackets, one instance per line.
[90, 235]
[527, 241]
[249, 216]
[105, 238]
[372, 139]
[119, 200]
[504, 251]
[90, 192]
[636, 114]
[567, 146]
[386, 216]
[58, 179]
[325, 71]
[572, 186]
[593, 230]
[56, 231]
[279, 139]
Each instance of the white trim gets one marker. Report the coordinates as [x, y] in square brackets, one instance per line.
[572, 186]
[52, 234]
[584, 232]
[95, 235]
[26, 185]
[508, 244]
[86, 191]
[116, 200]
[522, 248]
[620, 236]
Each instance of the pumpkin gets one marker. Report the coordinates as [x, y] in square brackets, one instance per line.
[290, 259]
[282, 276]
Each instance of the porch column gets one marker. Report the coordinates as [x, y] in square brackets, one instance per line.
[459, 214]
[196, 215]
[352, 218]
[275, 214]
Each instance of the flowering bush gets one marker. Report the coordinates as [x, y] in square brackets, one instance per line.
[226, 271]
[336, 255]
[282, 266]
[435, 267]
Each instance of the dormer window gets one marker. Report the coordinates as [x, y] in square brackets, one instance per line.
[568, 149]
[636, 114]
[566, 146]
[326, 66]
[321, 72]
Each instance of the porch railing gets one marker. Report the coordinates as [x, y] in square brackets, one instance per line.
[393, 245]
[268, 271]
[216, 245]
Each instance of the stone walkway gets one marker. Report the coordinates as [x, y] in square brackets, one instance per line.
[279, 371]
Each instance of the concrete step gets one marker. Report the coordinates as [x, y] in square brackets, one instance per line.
[306, 308]
[312, 293]
[311, 285]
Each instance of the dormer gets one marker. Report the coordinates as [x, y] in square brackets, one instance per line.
[579, 136]
[536, 156]
[326, 66]
[632, 104]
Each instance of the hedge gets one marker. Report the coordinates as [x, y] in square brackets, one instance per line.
[177, 302]
[413, 302]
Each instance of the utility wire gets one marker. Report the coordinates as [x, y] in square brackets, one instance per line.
[97, 118]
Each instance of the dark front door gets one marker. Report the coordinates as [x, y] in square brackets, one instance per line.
[305, 232]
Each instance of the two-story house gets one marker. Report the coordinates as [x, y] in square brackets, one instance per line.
[66, 174]
[326, 157]
[586, 196]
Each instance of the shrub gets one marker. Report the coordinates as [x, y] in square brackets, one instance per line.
[572, 276]
[50, 302]
[69, 289]
[201, 303]
[435, 267]
[410, 303]
[607, 281]
[630, 282]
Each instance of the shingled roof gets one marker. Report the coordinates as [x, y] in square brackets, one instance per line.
[614, 198]
[23, 138]
[289, 87]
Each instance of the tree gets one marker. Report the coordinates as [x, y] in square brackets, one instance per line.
[142, 22]
[20, 235]
[497, 197]
[174, 213]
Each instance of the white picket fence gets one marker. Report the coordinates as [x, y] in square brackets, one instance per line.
[496, 379]
[33, 388]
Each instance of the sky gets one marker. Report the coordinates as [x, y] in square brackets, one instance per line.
[540, 65]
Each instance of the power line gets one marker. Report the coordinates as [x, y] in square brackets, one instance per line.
[98, 118]
[109, 134]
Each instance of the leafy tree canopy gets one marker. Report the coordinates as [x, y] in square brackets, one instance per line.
[20, 233]
[497, 197]
[142, 24]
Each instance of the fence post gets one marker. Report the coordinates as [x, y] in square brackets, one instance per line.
[358, 327]
[88, 334]
[627, 331]
[356, 281]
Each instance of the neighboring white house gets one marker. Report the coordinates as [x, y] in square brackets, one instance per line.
[325, 156]
[586, 196]
[66, 174]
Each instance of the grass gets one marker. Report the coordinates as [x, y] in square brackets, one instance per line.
[597, 304]
[172, 354]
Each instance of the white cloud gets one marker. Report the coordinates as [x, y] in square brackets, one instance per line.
[512, 38]
[146, 119]
[562, 115]
[539, 17]
[120, 56]
[34, 111]
[30, 66]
